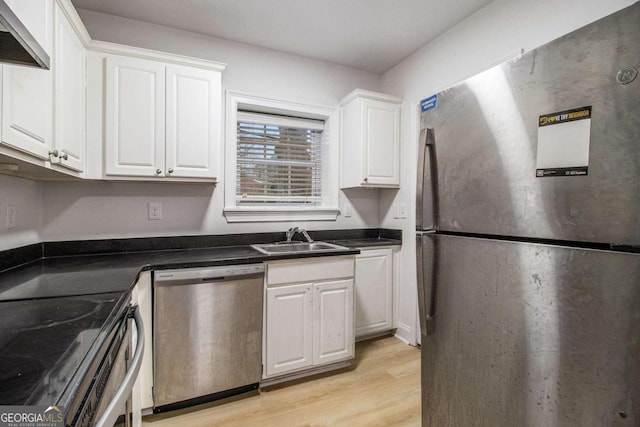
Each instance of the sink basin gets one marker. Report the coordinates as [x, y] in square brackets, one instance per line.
[296, 247]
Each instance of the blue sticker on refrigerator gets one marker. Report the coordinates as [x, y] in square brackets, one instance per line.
[429, 103]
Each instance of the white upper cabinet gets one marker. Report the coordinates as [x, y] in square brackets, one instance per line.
[27, 93]
[69, 70]
[36, 16]
[370, 140]
[193, 121]
[134, 117]
[43, 111]
[161, 120]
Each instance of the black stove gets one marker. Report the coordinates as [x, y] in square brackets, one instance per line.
[46, 346]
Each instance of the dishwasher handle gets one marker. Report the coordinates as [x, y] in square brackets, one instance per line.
[191, 276]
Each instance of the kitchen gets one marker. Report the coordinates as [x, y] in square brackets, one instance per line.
[57, 211]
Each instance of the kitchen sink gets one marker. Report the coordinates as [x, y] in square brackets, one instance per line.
[296, 247]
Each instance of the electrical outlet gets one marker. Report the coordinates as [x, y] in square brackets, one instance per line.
[346, 210]
[155, 210]
[402, 211]
[11, 216]
[399, 211]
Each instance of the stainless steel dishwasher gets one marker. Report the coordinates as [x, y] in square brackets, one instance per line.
[207, 334]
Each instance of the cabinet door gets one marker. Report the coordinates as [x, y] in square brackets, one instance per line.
[381, 142]
[373, 290]
[288, 329]
[36, 16]
[134, 117]
[333, 338]
[193, 122]
[69, 70]
[27, 99]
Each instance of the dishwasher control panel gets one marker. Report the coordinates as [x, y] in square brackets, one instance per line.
[203, 274]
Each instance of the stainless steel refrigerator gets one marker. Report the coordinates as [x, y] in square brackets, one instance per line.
[528, 237]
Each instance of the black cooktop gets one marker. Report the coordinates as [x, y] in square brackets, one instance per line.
[43, 343]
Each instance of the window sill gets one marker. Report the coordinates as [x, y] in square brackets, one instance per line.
[280, 214]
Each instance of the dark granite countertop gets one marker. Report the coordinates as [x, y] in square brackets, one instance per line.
[92, 274]
[97, 266]
[367, 243]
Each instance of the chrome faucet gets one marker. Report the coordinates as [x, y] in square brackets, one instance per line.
[305, 235]
[293, 230]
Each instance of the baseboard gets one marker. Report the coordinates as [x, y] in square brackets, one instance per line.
[372, 335]
[404, 334]
[307, 372]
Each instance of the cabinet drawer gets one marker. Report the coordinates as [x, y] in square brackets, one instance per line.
[309, 270]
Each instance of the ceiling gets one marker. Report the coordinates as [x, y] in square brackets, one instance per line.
[372, 35]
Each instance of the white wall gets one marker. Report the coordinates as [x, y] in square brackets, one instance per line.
[494, 33]
[250, 69]
[26, 196]
[86, 210]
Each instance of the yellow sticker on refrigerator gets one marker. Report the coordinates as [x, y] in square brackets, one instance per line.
[563, 143]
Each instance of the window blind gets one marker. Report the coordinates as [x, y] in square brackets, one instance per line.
[279, 160]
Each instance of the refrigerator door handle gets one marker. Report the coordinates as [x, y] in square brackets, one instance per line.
[427, 207]
[426, 263]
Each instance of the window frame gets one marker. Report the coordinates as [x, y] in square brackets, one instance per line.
[328, 209]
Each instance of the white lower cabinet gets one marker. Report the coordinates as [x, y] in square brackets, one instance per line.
[308, 323]
[333, 338]
[289, 315]
[374, 291]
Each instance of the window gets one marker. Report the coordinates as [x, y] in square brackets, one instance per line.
[281, 161]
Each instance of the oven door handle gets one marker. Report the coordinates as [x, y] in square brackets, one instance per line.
[111, 413]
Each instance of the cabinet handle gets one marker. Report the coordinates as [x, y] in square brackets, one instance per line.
[158, 171]
[366, 180]
[64, 156]
[54, 153]
[170, 170]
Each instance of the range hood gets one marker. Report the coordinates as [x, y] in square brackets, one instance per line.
[17, 45]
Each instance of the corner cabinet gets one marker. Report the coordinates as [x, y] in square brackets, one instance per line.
[43, 111]
[370, 140]
[69, 73]
[374, 292]
[27, 93]
[161, 120]
[309, 315]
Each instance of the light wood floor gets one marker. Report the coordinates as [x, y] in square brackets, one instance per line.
[382, 390]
